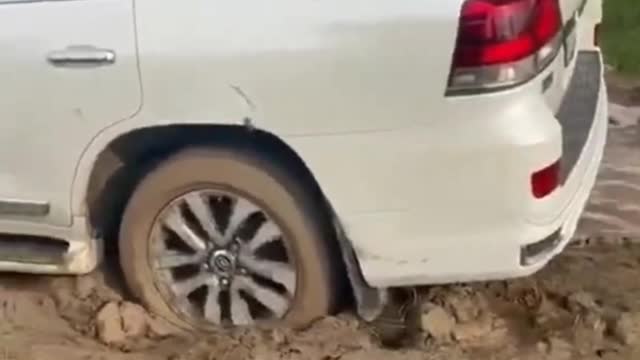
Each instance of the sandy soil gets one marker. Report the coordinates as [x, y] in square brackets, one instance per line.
[585, 305]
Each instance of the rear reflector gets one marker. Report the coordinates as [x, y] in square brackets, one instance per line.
[504, 42]
[545, 181]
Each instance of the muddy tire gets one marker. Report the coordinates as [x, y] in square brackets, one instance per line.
[283, 201]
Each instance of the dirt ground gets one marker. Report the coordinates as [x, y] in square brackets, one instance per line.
[584, 305]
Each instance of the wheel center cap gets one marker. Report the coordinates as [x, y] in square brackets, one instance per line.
[222, 262]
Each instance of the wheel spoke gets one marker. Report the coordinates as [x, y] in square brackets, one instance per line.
[203, 241]
[241, 210]
[187, 286]
[174, 221]
[267, 232]
[198, 205]
[240, 314]
[173, 259]
[273, 301]
[279, 272]
[212, 306]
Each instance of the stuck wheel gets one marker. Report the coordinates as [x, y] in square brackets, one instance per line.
[215, 237]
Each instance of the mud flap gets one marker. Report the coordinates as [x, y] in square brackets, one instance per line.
[370, 301]
[391, 313]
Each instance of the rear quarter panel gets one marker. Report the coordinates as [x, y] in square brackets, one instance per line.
[304, 70]
[303, 67]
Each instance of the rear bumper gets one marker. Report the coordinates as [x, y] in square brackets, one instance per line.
[540, 229]
[583, 117]
[450, 200]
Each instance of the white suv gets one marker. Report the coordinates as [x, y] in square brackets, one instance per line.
[251, 156]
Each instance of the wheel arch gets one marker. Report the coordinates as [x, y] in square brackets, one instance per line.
[133, 150]
[117, 166]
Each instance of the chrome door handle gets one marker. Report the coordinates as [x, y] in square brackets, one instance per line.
[81, 56]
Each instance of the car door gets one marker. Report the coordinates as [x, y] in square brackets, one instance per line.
[68, 69]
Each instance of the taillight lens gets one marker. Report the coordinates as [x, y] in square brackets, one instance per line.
[504, 42]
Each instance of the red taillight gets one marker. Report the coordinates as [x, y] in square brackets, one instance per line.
[520, 35]
[545, 181]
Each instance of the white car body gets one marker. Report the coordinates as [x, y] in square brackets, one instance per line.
[429, 188]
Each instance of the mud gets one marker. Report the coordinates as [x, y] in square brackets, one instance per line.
[584, 305]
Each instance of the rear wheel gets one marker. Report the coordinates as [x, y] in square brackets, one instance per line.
[219, 238]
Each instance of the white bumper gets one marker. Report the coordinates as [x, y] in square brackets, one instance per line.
[450, 200]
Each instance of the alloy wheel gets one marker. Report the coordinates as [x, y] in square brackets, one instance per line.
[219, 259]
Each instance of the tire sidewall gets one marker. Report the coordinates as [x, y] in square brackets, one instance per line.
[245, 175]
